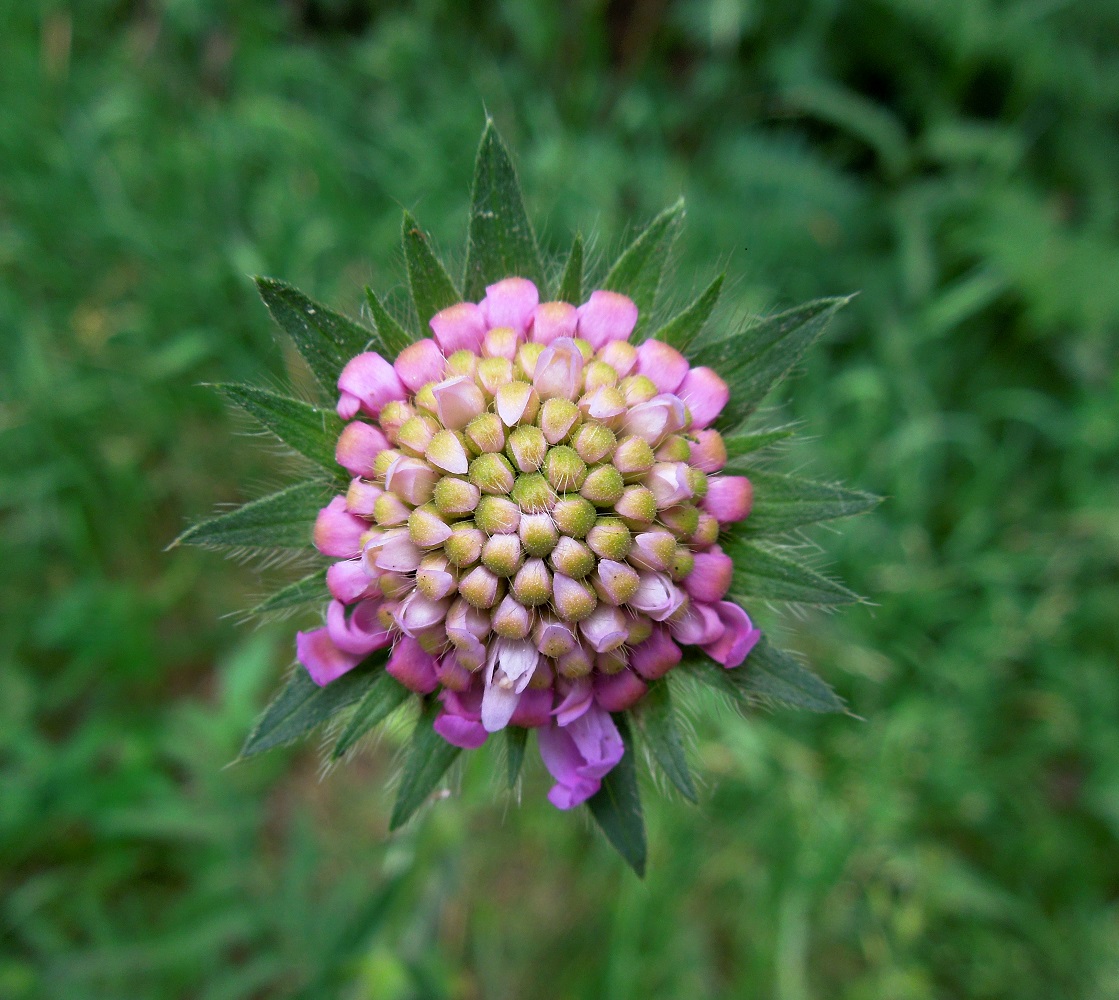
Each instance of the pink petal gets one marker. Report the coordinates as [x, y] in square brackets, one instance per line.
[459, 401]
[460, 732]
[655, 656]
[361, 632]
[729, 498]
[710, 579]
[700, 626]
[459, 328]
[420, 363]
[737, 640]
[410, 665]
[510, 302]
[418, 613]
[338, 532]
[359, 444]
[709, 452]
[324, 661]
[552, 320]
[705, 395]
[368, 381]
[617, 692]
[559, 370]
[606, 316]
[665, 366]
[347, 581]
[578, 696]
[534, 709]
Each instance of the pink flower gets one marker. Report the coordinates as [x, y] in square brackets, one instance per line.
[323, 660]
[509, 668]
[510, 303]
[738, 638]
[579, 755]
[656, 655]
[420, 363]
[414, 668]
[460, 722]
[459, 400]
[655, 420]
[418, 613]
[664, 365]
[709, 453]
[358, 447]
[728, 498]
[669, 483]
[459, 328]
[347, 581]
[361, 632]
[710, 579]
[411, 479]
[699, 626]
[604, 629]
[617, 692]
[558, 370]
[553, 320]
[577, 698]
[705, 394]
[606, 316]
[367, 382]
[338, 532]
[657, 596]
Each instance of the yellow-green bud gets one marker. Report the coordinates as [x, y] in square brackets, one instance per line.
[426, 527]
[492, 474]
[585, 349]
[640, 628]
[532, 585]
[394, 585]
[455, 496]
[574, 664]
[572, 558]
[564, 468]
[462, 363]
[425, 400]
[527, 448]
[527, 356]
[493, 373]
[558, 418]
[682, 521]
[389, 510]
[382, 462]
[574, 516]
[612, 662]
[697, 479]
[538, 534]
[638, 389]
[683, 564]
[597, 374]
[707, 533]
[497, 515]
[464, 547]
[394, 415]
[573, 600]
[594, 442]
[480, 588]
[485, 434]
[633, 456]
[610, 539]
[532, 493]
[501, 555]
[637, 505]
[603, 486]
[674, 449]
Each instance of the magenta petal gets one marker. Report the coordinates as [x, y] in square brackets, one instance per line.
[414, 668]
[534, 709]
[655, 656]
[737, 640]
[324, 661]
[700, 626]
[460, 732]
[358, 446]
[578, 696]
[552, 320]
[705, 395]
[710, 579]
[729, 498]
[368, 381]
[347, 581]
[617, 692]
[459, 328]
[338, 532]
[420, 363]
[598, 741]
[562, 759]
[606, 316]
[451, 673]
[361, 632]
[511, 303]
[665, 366]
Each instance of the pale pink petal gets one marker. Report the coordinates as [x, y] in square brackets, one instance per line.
[324, 661]
[709, 451]
[578, 696]
[705, 395]
[359, 444]
[459, 328]
[606, 316]
[347, 581]
[559, 370]
[665, 366]
[459, 401]
[700, 626]
[338, 532]
[368, 382]
[510, 302]
[552, 320]
[729, 498]
[420, 363]
[737, 640]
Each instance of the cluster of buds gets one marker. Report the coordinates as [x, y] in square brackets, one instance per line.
[532, 523]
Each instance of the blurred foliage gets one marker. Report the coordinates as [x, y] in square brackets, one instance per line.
[958, 162]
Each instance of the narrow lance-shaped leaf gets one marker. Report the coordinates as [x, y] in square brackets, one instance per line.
[311, 430]
[393, 336]
[284, 520]
[326, 339]
[745, 443]
[302, 704]
[432, 287]
[311, 589]
[501, 243]
[637, 272]
[384, 696]
[683, 328]
[616, 806]
[516, 737]
[776, 676]
[755, 359]
[427, 758]
[658, 722]
[762, 573]
[785, 502]
[571, 284]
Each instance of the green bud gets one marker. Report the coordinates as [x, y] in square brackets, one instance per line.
[637, 505]
[464, 547]
[462, 363]
[394, 415]
[603, 486]
[425, 400]
[485, 434]
[527, 356]
[572, 558]
[389, 510]
[594, 442]
[501, 555]
[574, 516]
[674, 448]
[532, 585]
[538, 534]
[455, 496]
[564, 469]
[707, 534]
[697, 479]
[558, 418]
[532, 493]
[639, 628]
[683, 562]
[682, 521]
[597, 374]
[493, 373]
[497, 515]
[492, 474]
[633, 457]
[638, 389]
[527, 448]
[610, 539]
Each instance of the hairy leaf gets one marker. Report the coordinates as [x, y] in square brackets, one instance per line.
[393, 336]
[571, 284]
[326, 339]
[658, 722]
[284, 520]
[784, 502]
[683, 328]
[516, 738]
[637, 272]
[756, 358]
[616, 806]
[427, 758]
[311, 430]
[310, 589]
[432, 287]
[501, 242]
[744, 443]
[384, 696]
[302, 704]
[762, 573]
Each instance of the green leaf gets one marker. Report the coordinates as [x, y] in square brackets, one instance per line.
[383, 698]
[682, 329]
[616, 806]
[658, 722]
[776, 676]
[284, 520]
[309, 590]
[501, 242]
[311, 430]
[326, 339]
[432, 287]
[784, 502]
[428, 757]
[755, 359]
[571, 284]
[302, 704]
[393, 336]
[516, 737]
[762, 573]
[637, 272]
[741, 444]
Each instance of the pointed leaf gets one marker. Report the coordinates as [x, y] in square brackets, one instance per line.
[309, 590]
[753, 360]
[284, 520]
[776, 676]
[302, 704]
[784, 502]
[658, 722]
[393, 336]
[432, 287]
[746, 443]
[516, 737]
[384, 696]
[571, 284]
[681, 330]
[326, 339]
[616, 806]
[762, 573]
[501, 242]
[637, 272]
[427, 760]
[311, 430]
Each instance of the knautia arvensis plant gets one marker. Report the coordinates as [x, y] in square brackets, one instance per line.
[545, 509]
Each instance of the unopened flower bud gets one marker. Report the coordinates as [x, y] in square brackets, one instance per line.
[594, 443]
[527, 356]
[612, 662]
[527, 448]
[574, 516]
[682, 521]
[394, 415]
[610, 538]
[674, 449]
[358, 447]
[501, 555]
[558, 373]
[390, 510]
[558, 418]
[638, 389]
[497, 515]
[395, 586]
[479, 587]
[411, 479]
[426, 528]
[538, 534]
[665, 366]
[464, 547]
[361, 497]
[434, 578]
[698, 481]
[485, 433]
[416, 433]
[640, 628]
[653, 421]
[512, 620]
[572, 558]
[564, 469]
[619, 355]
[501, 342]
[707, 534]
[384, 462]
[604, 629]
[709, 451]
[517, 403]
[465, 622]
[425, 401]
[729, 498]
[653, 550]
[572, 599]
[532, 585]
[705, 393]
[464, 362]
[455, 496]
[682, 564]
[493, 373]
[552, 637]
[657, 596]
[492, 474]
[458, 400]
[445, 451]
[418, 613]
[637, 506]
[553, 320]
[605, 404]
[669, 483]
[615, 582]
[633, 456]
[598, 374]
[574, 664]
[532, 493]
[603, 486]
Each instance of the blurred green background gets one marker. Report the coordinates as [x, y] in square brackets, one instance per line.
[957, 161]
